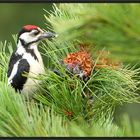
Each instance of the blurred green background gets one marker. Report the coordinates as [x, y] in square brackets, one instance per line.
[15, 15]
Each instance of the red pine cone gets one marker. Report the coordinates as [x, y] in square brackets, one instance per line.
[81, 59]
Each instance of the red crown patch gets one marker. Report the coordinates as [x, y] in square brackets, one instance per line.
[30, 27]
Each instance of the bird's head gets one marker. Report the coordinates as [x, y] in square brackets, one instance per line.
[30, 34]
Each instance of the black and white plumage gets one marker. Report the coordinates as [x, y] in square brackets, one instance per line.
[26, 60]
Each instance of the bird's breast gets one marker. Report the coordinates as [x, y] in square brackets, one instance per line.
[36, 68]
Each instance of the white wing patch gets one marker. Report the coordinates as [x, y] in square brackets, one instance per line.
[13, 73]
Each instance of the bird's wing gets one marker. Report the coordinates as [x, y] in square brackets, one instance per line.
[17, 67]
[20, 77]
[13, 60]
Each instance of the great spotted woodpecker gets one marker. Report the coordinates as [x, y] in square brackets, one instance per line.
[26, 60]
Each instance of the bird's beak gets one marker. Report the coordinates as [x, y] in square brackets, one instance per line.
[48, 35]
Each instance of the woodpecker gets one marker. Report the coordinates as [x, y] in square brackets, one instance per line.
[26, 60]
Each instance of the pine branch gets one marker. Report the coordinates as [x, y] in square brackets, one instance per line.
[105, 25]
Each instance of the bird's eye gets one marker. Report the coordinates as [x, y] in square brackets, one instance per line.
[36, 32]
